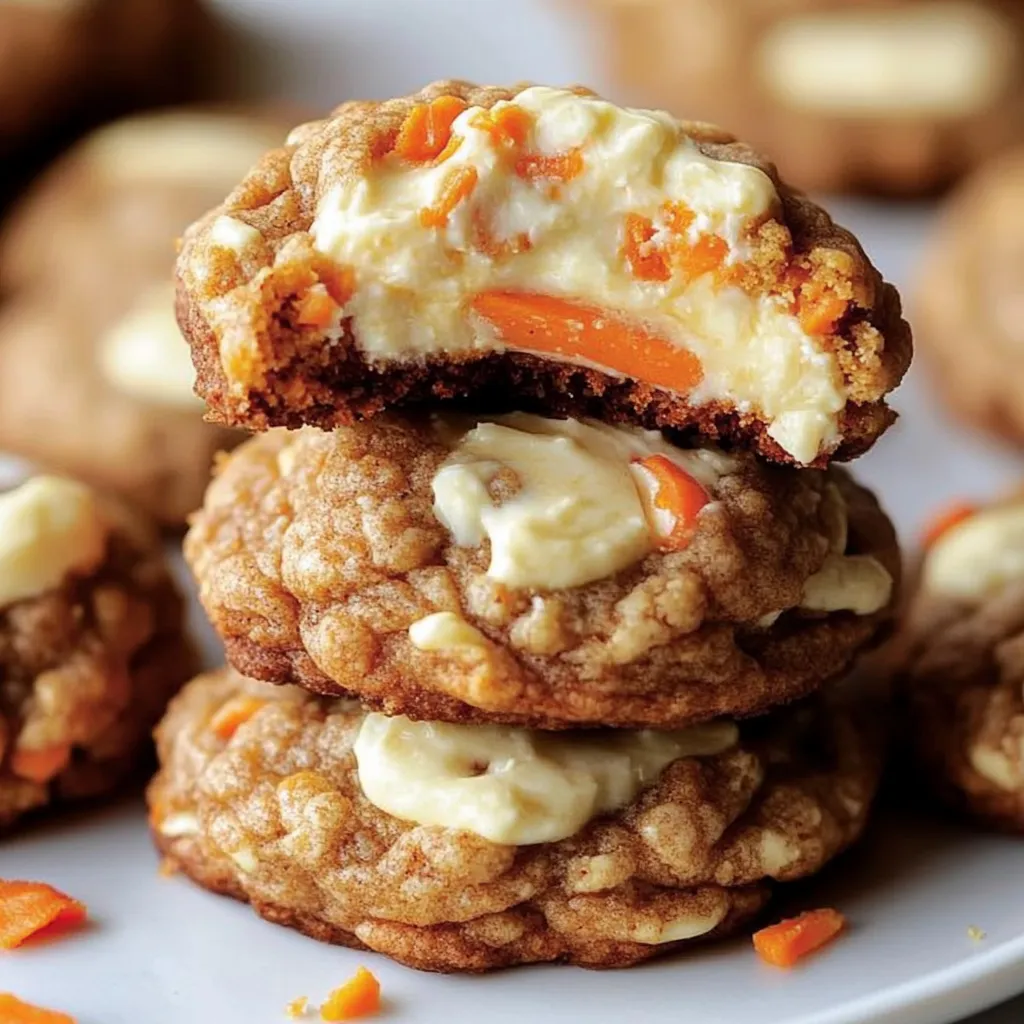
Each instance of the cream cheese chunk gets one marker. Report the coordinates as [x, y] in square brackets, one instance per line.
[979, 556]
[854, 583]
[50, 527]
[145, 356]
[415, 283]
[934, 59]
[516, 786]
[444, 631]
[577, 515]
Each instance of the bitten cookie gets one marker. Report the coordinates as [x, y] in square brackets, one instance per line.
[962, 664]
[969, 301]
[479, 243]
[541, 572]
[900, 96]
[66, 65]
[465, 848]
[95, 378]
[91, 643]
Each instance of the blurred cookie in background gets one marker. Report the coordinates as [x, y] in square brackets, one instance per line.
[968, 307]
[66, 64]
[882, 96]
[95, 379]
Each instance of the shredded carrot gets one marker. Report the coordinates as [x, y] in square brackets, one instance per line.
[340, 281]
[453, 144]
[544, 323]
[560, 167]
[945, 520]
[707, 254]
[508, 126]
[783, 944]
[677, 494]
[678, 217]
[297, 1007]
[233, 714]
[14, 1011]
[645, 260]
[317, 308]
[358, 997]
[40, 765]
[26, 908]
[427, 128]
[457, 186]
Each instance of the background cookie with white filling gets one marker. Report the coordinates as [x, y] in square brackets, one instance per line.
[601, 849]
[542, 572]
[91, 643]
[901, 96]
[95, 378]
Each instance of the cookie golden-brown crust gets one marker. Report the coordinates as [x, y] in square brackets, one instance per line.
[275, 816]
[296, 377]
[968, 303]
[314, 552]
[91, 664]
[690, 57]
[961, 671]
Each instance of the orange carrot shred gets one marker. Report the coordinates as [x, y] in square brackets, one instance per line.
[507, 126]
[339, 280]
[544, 323]
[26, 908]
[646, 261]
[783, 944]
[708, 253]
[457, 186]
[14, 1011]
[945, 520]
[427, 128]
[678, 217]
[821, 315]
[233, 714]
[453, 144]
[317, 308]
[358, 997]
[40, 765]
[677, 494]
[560, 167]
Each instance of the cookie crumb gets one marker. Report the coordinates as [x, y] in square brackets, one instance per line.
[297, 1007]
[975, 934]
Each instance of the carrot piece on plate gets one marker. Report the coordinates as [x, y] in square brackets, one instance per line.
[26, 908]
[233, 714]
[783, 944]
[358, 997]
[675, 498]
[14, 1011]
[945, 520]
[574, 330]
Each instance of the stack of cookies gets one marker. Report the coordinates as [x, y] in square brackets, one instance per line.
[564, 587]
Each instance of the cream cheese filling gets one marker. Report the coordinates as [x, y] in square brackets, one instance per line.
[516, 786]
[416, 284]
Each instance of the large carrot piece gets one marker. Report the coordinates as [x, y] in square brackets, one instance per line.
[427, 129]
[358, 997]
[574, 330]
[28, 907]
[676, 494]
[783, 944]
[14, 1011]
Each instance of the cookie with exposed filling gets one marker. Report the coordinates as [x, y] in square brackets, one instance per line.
[480, 244]
[970, 298]
[600, 849]
[95, 378]
[91, 643]
[539, 572]
[961, 664]
[897, 97]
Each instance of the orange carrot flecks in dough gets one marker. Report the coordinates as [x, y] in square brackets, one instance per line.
[358, 997]
[676, 495]
[233, 714]
[783, 944]
[14, 1011]
[457, 186]
[40, 765]
[26, 908]
[646, 261]
[427, 128]
[560, 167]
[554, 326]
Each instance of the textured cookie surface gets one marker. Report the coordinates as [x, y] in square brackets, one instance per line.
[95, 378]
[367, 265]
[846, 95]
[87, 665]
[275, 815]
[316, 552]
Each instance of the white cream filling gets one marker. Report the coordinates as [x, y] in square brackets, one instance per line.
[516, 786]
[414, 284]
[49, 527]
[928, 59]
